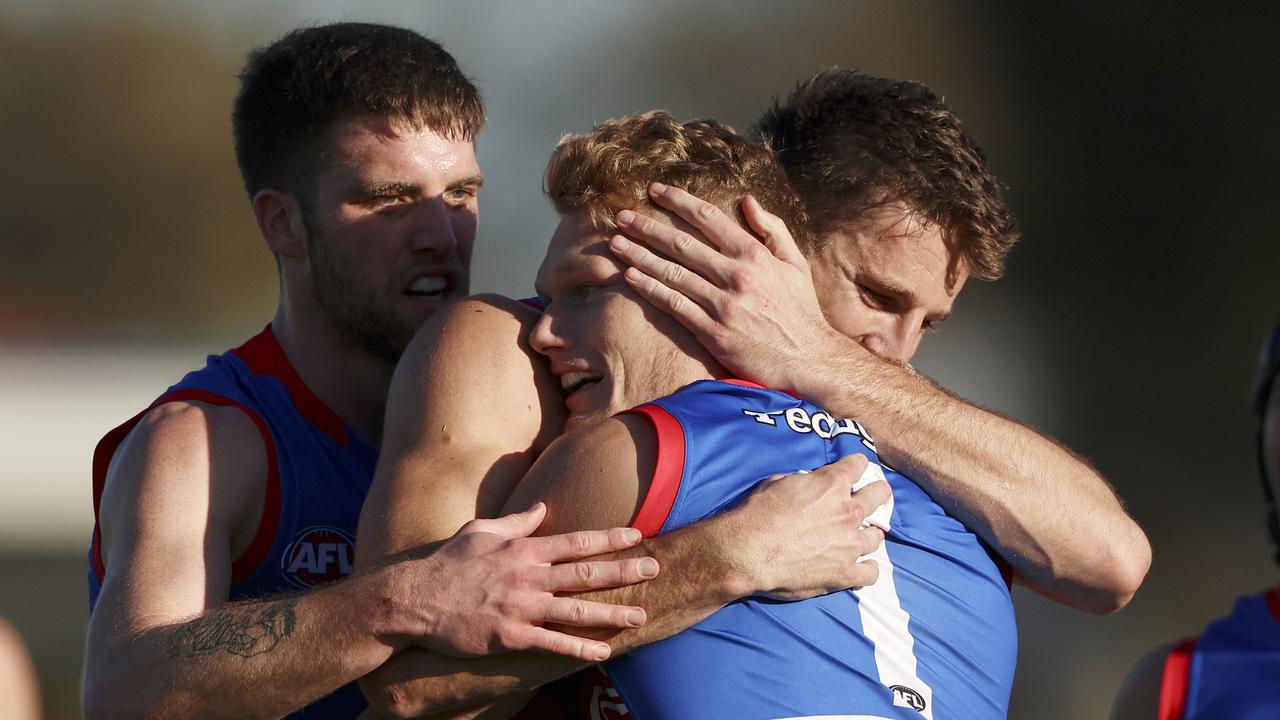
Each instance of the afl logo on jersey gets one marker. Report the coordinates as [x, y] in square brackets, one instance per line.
[318, 555]
[904, 696]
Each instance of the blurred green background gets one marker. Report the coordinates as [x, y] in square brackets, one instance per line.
[1139, 143]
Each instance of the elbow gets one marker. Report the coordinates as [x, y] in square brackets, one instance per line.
[1126, 568]
[114, 695]
[102, 700]
[388, 701]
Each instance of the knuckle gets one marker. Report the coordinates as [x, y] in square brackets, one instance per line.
[707, 211]
[683, 244]
[579, 542]
[585, 572]
[739, 278]
[674, 274]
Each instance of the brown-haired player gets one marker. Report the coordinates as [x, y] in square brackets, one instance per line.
[226, 511]
[905, 209]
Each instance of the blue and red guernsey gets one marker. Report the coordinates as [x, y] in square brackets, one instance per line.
[934, 637]
[1230, 671]
[318, 475]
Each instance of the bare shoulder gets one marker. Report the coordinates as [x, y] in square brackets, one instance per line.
[1139, 696]
[594, 477]
[473, 328]
[470, 407]
[471, 363]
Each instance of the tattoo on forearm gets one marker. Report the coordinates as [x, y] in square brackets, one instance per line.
[236, 631]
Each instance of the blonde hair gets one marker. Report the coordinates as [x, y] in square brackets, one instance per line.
[610, 169]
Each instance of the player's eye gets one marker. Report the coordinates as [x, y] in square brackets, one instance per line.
[460, 195]
[875, 299]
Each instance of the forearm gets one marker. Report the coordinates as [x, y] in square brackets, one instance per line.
[241, 660]
[1051, 516]
[700, 574]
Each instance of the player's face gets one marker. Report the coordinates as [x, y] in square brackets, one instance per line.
[610, 350]
[391, 229]
[883, 282]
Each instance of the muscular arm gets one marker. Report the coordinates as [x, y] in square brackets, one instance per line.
[468, 411]
[1047, 512]
[183, 498]
[162, 641]
[796, 536]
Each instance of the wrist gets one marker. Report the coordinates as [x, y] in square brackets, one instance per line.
[390, 620]
[730, 541]
[822, 378]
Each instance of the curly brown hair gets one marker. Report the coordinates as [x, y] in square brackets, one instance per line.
[294, 89]
[851, 142]
[610, 168]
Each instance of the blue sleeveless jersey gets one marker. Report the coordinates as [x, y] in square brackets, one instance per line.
[1232, 670]
[318, 475]
[935, 637]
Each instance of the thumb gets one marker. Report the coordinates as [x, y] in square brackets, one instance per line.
[773, 232]
[515, 525]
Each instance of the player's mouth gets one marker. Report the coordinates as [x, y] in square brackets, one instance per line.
[575, 380]
[431, 287]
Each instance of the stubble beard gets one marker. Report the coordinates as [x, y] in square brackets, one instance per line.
[359, 320]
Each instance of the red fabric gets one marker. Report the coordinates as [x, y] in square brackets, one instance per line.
[666, 474]
[1273, 602]
[1173, 685]
[253, 556]
[1006, 572]
[264, 356]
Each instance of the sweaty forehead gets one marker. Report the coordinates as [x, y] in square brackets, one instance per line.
[383, 144]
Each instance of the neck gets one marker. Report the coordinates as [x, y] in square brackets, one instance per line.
[349, 380]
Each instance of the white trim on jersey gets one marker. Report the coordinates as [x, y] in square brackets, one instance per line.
[885, 623]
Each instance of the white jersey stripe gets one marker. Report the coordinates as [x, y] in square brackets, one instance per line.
[885, 624]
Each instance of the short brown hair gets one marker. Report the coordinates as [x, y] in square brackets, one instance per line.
[292, 90]
[851, 142]
[611, 167]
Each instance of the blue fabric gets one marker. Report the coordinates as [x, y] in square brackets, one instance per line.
[758, 658]
[1235, 669]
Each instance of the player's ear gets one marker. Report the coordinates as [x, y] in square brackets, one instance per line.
[279, 217]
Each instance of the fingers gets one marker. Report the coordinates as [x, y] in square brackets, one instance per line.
[723, 232]
[687, 312]
[577, 577]
[515, 525]
[774, 233]
[687, 250]
[558, 643]
[581, 544]
[849, 467]
[587, 613]
[673, 275]
[865, 572]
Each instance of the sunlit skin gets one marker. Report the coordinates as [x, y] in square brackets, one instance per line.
[883, 281]
[391, 227]
[610, 349]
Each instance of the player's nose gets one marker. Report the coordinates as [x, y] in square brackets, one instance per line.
[891, 343]
[433, 228]
[546, 338]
